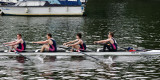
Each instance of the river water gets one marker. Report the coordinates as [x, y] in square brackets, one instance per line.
[134, 22]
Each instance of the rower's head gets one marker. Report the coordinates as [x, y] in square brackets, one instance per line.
[110, 34]
[49, 36]
[19, 36]
[79, 36]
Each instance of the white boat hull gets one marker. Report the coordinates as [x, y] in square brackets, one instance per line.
[81, 54]
[56, 10]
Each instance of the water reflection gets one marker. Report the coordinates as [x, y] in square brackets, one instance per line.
[122, 67]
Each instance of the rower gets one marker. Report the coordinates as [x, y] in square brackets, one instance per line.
[18, 45]
[77, 44]
[110, 43]
[49, 44]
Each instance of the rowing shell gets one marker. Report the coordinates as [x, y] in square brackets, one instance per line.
[152, 52]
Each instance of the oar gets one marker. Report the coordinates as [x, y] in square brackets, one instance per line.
[18, 53]
[4, 47]
[97, 60]
[90, 56]
[23, 55]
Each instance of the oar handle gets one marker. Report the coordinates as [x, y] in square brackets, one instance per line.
[5, 46]
[100, 43]
[34, 43]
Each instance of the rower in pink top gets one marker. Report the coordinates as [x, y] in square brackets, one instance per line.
[18, 45]
[110, 43]
[77, 44]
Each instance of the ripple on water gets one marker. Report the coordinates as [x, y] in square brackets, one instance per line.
[110, 74]
[132, 75]
[7, 78]
[100, 70]
[39, 77]
[85, 75]
[142, 77]
[114, 71]
[69, 77]
[42, 79]
[103, 73]
[150, 71]
[115, 77]
[100, 79]
[117, 68]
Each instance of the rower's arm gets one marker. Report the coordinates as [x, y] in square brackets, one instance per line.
[42, 42]
[14, 43]
[9, 42]
[102, 41]
[77, 43]
[71, 41]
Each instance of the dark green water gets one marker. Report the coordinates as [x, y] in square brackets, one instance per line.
[135, 23]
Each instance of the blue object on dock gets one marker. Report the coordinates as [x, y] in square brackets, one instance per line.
[70, 3]
[129, 48]
[65, 2]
